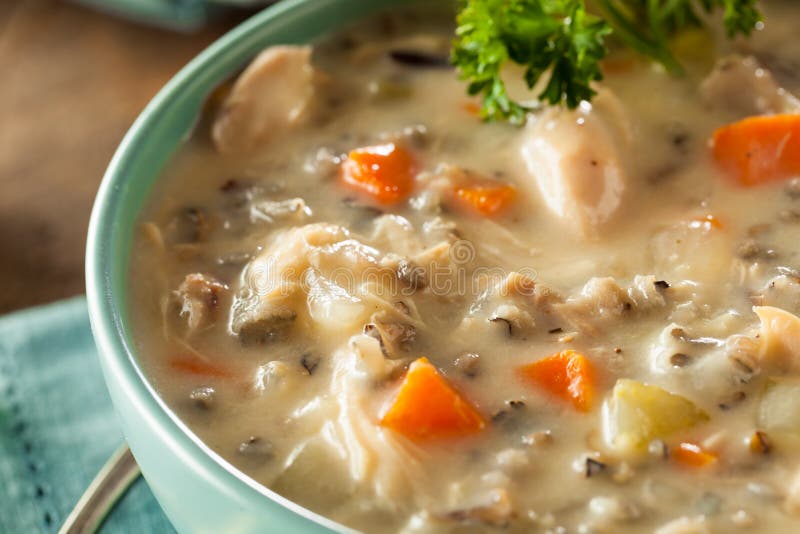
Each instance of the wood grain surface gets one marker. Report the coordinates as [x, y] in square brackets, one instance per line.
[71, 83]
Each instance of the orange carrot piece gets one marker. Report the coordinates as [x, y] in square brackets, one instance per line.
[566, 375]
[692, 455]
[486, 198]
[760, 149]
[194, 366]
[427, 407]
[385, 172]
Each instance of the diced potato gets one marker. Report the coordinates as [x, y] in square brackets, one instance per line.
[780, 335]
[780, 406]
[638, 413]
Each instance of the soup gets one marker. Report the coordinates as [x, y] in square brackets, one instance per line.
[409, 320]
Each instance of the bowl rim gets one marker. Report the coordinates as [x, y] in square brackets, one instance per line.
[103, 259]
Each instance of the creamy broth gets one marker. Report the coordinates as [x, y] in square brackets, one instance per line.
[691, 417]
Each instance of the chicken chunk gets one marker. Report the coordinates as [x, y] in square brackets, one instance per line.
[740, 84]
[424, 260]
[396, 233]
[271, 95]
[316, 275]
[517, 304]
[781, 291]
[395, 338]
[646, 292]
[780, 338]
[695, 364]
[575, 158]
[199, 299]
[604, 297]
[271, 291]
[602, 301]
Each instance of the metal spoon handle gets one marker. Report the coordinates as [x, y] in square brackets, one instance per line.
[110, 483]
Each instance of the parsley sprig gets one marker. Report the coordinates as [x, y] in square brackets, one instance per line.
[567, 41]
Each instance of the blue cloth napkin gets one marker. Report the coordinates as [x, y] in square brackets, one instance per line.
[57, 425]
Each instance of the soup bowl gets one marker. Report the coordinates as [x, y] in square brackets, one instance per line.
[198, 490]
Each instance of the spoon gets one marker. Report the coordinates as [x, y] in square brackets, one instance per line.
[110, 483]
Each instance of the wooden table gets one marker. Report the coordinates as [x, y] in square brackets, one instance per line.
[73, 80]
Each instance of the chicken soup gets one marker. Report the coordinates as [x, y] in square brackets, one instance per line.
[407, 319]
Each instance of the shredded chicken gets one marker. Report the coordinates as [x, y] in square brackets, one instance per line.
[396, 335]
[321, 275]
[395, 233]
[271, 293]
[199, 299]
[645, 292]
[341, 438]
[517, 303]
[421, 261]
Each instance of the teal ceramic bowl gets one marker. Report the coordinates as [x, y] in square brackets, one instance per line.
[199, 491]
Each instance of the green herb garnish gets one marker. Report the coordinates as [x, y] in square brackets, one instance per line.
[566, 40]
